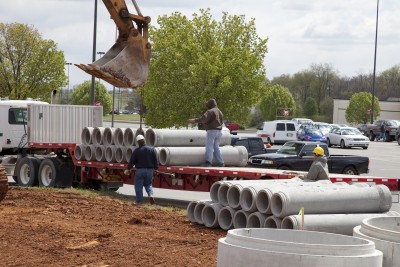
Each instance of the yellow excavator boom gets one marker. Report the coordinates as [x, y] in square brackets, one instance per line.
[126, 64]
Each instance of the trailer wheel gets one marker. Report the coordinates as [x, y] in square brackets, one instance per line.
[350, 170]
[48, 172]
[27, 171]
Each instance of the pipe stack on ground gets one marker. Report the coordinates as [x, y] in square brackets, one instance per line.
[328, 207]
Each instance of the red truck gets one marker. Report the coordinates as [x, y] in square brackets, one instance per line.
[232, 126]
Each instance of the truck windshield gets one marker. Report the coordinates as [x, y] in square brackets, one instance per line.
[17, 116]
[290, 148]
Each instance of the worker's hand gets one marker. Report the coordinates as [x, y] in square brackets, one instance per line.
[127, 172]
[301, 176]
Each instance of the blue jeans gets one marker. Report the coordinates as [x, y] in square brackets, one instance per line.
[143, 177]
[212, 146]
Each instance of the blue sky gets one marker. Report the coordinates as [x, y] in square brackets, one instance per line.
[340, 32]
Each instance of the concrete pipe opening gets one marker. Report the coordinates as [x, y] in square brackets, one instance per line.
[150, 137]
[222, 194]
[240, 219]
[225, 218]
[100, 152]
[110, 154]
[277, 204]
[273, 222]
[129, 136]
[263, 201]
[164, 156]
[256, 220]
[233, 195]
[119, 136]
[190, 211]
[120, 154]
[289, 223]
[128, 153]
[97, 136]
[108, 138]
[209, 214]
[79, 152]
[247, 199]
[214, 190]
[86, 135]
[90, 153]
[198, 209]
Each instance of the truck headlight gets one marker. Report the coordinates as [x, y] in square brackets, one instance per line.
[267, 162]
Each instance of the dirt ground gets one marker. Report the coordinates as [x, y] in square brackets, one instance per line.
[42, 227]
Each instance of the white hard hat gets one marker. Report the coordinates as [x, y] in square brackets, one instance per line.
[139, 137]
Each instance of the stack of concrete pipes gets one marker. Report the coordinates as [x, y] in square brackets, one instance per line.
[327, 207]
[174, 147]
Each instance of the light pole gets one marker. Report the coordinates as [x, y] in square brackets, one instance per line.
[68, 64]
[94, 52]
[373, 77]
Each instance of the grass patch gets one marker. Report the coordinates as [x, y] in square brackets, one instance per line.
[122, 117]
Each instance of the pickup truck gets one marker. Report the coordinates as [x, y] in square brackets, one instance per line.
[298, 156]
[254, 145]
[373, 130]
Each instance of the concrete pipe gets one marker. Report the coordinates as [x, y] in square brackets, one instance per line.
[325, 200]
[330, 223]
[209, 215]
[385, 233]
[225, 218]
[100, 153]
[90, 153]
[256, 220]
[248, 196]
[79, 152]
[181, 138]
[86, 135]
[273, 222]
[140, 131]
[281, 247]
[120, 154]
[119, 136]
[129, 136]
[109, 136]
[240, 219]
[128, 152]
[198, 209]
[97, 136]
[195, 156]
[190, 210]
[111, 154]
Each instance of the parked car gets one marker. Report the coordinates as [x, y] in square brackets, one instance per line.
[311, 134]
[363, 128]
[398, 135]
[347, 137]
[390, 127]
[232, 126]
[300, 121]
[323, 126]
[298, 156]
[254, 145]
[277, 132]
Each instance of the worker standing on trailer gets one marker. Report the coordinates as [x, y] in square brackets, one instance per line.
[144, 158]
[212, 120]
[319, 167]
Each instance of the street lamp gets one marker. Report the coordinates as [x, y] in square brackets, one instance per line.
[94, 52]
[68, 64]
[373, 77]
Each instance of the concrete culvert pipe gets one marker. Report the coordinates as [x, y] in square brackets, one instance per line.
[90, 153]
[233, 195]
[97, 136]
[141, 132]
[181, 138]
[86, 135]
[225, 218]
[128, 152]
[79, 152]
[282, 247]
[256, 220]
[109, 136]
[120, 154]
[248, 197]
[240, 219]
[330, 223]
[385, 233]
[100, 152]
[209, 214]
[273, 222]
[375, 199]
[190, 210]
[214, 190]
[129, 136]
[111, 154]
[198, 209]
[119, 136]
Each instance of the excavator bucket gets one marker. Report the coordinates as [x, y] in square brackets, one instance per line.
[3, 183]
[126, 64]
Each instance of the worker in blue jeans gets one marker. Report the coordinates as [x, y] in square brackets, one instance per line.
[144, 158]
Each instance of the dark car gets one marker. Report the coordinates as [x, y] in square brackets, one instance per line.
[398, 135]
[298, 156]
[254, 145]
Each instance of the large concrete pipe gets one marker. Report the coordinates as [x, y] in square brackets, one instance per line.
[240, 219]
[256, 220]
[198, 209]
[120, 154]
[109, 136]
[181, 138]
[100, 153]
[97, 136]
[111, 154]
[225, 218]
[86, 135]
[129, 136]
[325, 200]
[190, 210]
[385, 233]
[209, 214]
[195, 156]
[119, 136]
[273, 222]
[281, 247]
[79, 152]
[128, 152]
[90, 153]
[330, 223]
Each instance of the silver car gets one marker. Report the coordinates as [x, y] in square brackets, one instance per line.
[347, 137]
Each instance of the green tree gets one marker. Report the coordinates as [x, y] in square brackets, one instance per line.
[275, 97]
[358, 110]
[29, 65]
[310, 107]
[81, 95]
[195, 60]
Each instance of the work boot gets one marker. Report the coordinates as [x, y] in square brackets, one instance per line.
[152, 201]
[207, 164]
[220, 165]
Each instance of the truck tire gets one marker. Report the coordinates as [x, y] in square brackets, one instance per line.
[48, 171]
[350, 170]
[3, 183]
[27, 171]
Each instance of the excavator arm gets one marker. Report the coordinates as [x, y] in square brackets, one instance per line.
[126, 64]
